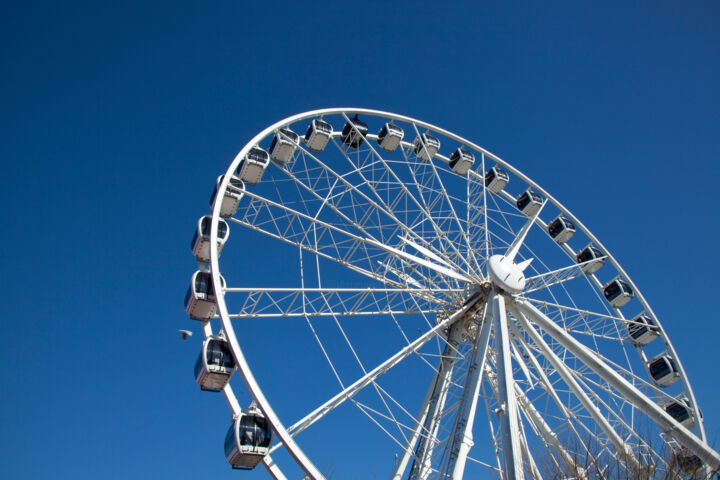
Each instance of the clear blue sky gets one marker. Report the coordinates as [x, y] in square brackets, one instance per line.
[117, 117]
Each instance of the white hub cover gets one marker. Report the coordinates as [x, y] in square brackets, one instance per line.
[507, 274]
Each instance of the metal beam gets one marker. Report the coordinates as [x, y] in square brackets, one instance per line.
[593, 361]
[507, 411]
[621, 447]
[462, 438]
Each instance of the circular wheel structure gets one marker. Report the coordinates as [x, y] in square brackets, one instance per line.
[402, 303]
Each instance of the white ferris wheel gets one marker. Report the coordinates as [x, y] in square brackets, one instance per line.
[404, 304]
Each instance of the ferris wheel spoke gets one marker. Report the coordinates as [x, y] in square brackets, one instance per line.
[400, 192]
[385, 207]
[618, 382]
[477, 213]
[621, 447]
[568, 418]
[543, 430]
[353, 389]
[561, 275]
[528, 458]
[437, 198]
[293, 227]
[299, 302]
[461, 438]
[354, 201]
[584, 322]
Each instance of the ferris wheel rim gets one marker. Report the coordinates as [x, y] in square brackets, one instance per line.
[224, 314]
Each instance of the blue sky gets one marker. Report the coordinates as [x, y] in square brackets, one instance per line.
[117, 118]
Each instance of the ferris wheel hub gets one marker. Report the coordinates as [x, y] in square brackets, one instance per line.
[506, 274]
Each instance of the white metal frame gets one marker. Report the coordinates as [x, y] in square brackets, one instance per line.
[448, 272]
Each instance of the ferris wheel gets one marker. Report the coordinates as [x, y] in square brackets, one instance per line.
[402, 303]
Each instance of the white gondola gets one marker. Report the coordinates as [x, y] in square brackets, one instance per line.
[389, 137]
[283, 145]
[231, 198]
[200, 245]
[662, 370]
[461, 161]
[426, 146]
[561, 229]
[592, 259]
[618, 292]
[251, 168]
[215, 364]
[354, 132]
[318, 134]
[200, 297]
[248, 439]
[529, 202]
[679, 409]
[642, 329]
[496, 179]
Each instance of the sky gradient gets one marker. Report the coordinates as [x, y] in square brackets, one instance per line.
[117, 118]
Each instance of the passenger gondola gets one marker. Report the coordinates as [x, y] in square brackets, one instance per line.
[251, 168]
[248, 439]
[200, 297]
[688, 463]
[231, 198]
[461, 161]
[283, 145]
[354, 132]
[663, 370]
[561, 229]
[495, 179]
[592, 258]
[426, 146]
[215, 364]
[529, 202]
[390, 137]
[618, 292]
[642, 329]
[679, 409]
[318, 134]
[200, 245]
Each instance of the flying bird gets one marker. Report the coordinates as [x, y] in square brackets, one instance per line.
[185, 334]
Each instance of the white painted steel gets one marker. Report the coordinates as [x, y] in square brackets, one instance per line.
[507, 411]
[451, 270]
[617, 381]
[462, 437]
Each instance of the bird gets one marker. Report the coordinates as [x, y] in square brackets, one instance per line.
[185, 334]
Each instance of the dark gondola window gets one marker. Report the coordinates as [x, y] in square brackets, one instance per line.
[659, 368]
[678, 412]
[489, 176]
[523, 201]
[218, 353]
[322, 126]
[258, 155]
[636, 331]
[247, 430]
[612, 290]
[203, 283]
[287, 134]
[588, 254]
